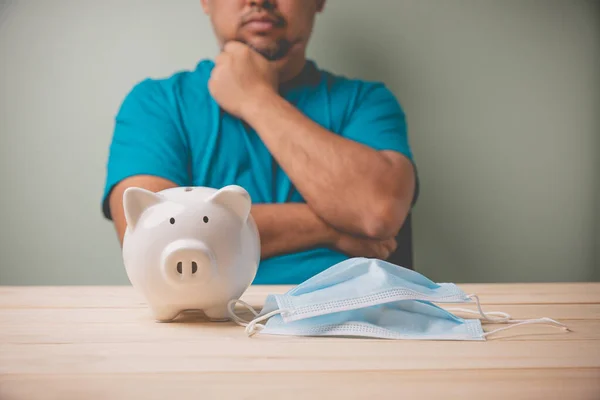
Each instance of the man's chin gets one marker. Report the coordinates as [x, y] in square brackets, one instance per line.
[270, 53]
[272, 50]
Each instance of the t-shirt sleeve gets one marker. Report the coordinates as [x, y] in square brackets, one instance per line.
[377, 120]
[145, 140]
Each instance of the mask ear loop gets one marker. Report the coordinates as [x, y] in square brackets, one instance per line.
[503, 317]
[506, 318]
[544, 320]
[253, 326]
[240, 321]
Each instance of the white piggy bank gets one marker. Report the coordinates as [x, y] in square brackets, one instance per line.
[190, 248]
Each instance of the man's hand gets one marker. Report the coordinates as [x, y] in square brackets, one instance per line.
[240, 77]
[290, 227]
[364, 247]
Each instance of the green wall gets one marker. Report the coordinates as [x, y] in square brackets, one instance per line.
[502, 99]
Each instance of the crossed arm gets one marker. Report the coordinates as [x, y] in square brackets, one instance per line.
[352, 187]
[356, 198]
[283, 228]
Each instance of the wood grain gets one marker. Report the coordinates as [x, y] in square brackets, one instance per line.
[126, 297]
[274, 353]
[101, 342]
[513, 384]
[139, 328]
[26, 316]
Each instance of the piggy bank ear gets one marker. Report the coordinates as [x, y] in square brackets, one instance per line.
[235, 198]
[136, 201]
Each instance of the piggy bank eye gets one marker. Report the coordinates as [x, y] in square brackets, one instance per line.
[172, 221]
[205, 219]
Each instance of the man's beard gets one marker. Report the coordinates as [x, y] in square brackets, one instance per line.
[273, 52]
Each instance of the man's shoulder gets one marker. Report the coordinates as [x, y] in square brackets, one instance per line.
[176, 87]
[355, 89]
[340, 81]
[352, 94]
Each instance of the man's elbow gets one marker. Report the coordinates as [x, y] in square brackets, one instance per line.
[391, 200]
[386, 220]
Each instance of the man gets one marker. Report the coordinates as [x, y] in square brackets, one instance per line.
[325, 159]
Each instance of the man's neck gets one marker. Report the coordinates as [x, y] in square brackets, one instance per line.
[292, 69]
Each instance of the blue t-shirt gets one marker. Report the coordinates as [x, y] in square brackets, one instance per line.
[173, 128]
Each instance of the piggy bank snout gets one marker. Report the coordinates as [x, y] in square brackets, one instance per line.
[187, 262]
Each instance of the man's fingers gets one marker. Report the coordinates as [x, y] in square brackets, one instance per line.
[234, 46]
[222, 59]
[219, 59]
[387, 243]
[381, 250]
[385, 253]
[392, 245]
[388, 246]
[361, 247]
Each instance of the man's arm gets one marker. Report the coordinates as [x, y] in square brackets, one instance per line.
[351, 186]
[148, 151]
[283, 228]
[290, 227]
[149, 182]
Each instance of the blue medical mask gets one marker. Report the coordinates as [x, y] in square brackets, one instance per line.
[357, 283]
[404, 319]
[374, 298]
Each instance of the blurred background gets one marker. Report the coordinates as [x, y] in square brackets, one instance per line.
[502, 99]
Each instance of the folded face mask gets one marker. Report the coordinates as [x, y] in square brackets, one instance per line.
[404, 319]
[372, 298]
[360, 282]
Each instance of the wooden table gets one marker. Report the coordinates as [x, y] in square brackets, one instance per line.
[101, 343]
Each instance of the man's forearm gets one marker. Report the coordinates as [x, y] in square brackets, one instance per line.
[149, 182]
[290, 227]
[351, 186]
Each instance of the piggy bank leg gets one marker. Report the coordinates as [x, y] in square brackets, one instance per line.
[165, 314]
[217, 314]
